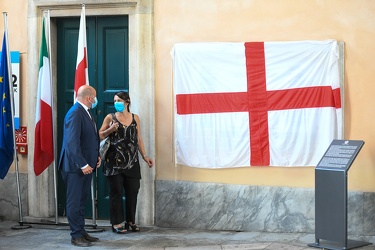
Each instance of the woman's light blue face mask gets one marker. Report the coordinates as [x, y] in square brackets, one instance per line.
[119, 106]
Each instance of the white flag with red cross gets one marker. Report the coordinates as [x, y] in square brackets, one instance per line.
[82, 75]
[256, 103]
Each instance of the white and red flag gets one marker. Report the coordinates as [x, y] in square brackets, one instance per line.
[43, 144]
[81, 77]
[256, 103]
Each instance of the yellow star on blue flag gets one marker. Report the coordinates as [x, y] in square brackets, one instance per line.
[6, 119]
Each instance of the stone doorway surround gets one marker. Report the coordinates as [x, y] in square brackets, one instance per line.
[41, 197]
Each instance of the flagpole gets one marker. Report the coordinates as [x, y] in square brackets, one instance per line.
[10, 82]
[11, 92]
[53, 127]
[93, 198]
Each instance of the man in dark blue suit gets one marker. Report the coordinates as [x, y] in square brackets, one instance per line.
[78, 159]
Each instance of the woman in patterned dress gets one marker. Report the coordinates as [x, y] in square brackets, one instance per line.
[121, 163]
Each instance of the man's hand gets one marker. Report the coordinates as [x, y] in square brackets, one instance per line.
[87, 170]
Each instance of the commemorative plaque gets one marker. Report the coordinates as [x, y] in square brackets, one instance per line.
[340, 154]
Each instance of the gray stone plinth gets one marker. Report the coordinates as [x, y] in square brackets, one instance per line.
[9, 206]
[212, 206]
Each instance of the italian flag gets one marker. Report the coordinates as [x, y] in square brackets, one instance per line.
[43, 148]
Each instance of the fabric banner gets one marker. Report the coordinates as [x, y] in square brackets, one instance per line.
[6, 119]
[81, 77]
[43, 148]
[255, 103]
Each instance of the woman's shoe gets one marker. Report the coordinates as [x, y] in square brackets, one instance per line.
[119, 230]
[133, 227]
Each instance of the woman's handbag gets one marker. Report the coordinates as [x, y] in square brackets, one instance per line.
[104, 145]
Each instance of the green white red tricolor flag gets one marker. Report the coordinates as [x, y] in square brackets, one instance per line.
[43, 147]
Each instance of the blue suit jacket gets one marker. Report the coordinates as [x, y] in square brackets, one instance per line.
[80, 141]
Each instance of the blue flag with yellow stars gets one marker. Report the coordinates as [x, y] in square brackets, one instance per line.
[6, 119]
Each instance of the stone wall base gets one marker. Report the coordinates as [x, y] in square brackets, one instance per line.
[9, 207]
[211, 206]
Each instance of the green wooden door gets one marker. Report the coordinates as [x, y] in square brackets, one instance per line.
[108, 66]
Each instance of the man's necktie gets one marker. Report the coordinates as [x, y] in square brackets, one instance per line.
[92, 117]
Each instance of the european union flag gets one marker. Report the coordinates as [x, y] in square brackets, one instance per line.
[6, 119]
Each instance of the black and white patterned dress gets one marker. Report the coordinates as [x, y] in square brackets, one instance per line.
[122, 154]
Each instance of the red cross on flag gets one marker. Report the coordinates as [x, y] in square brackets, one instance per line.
[256, 103]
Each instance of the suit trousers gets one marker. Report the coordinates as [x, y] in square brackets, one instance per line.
[117, 184]
[77, 191]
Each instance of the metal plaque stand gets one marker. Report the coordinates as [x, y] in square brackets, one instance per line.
[331, 196]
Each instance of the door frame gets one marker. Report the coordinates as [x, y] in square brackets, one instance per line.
[141, 85]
